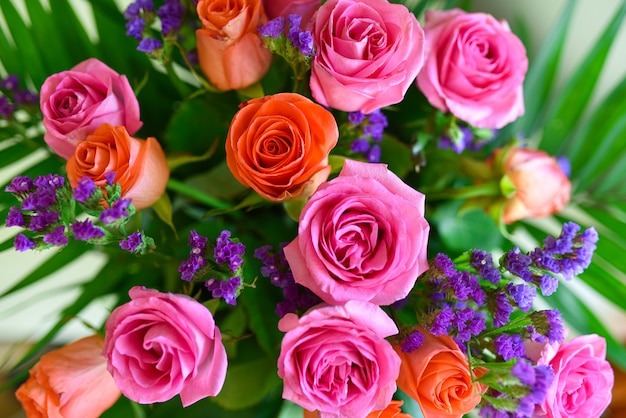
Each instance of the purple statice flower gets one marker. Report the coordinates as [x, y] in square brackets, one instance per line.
[11, 82]
[148, 45]
[109, 176]
[482, 262]
[133, 242]
[42, 219]
[442, 321]
[360, 145]
[22, 243]
[564, 164]
[306, 44]
[301, 40]
[135, 27]
[373, 155]
[171, 15]
[357, 117]
[460, 322]
[25, 97]
[84, 190]
[522, 294]
[118, 210]
[274, 28]
[490, 411]
[517, 263]
[15, 217]
[52, 181]
[225, 289]
[412, 342]
[458, 146]
[459, 285]
[228, 251]
[509, 346]
[6, 108]
[544, 376]
[549, 324]
[56, 236]
[524, 371]
[43, 198]
[86, 230]
[548, 284]
[501, 308]
[20, 185]
[442, 266]
[196, 258]
[284, 307]
[135, 9]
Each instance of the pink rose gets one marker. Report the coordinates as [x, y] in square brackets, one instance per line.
[474, 68]
[583, 379]
[304, 8]
[362, 236]
[541, 186]
[368, 54]
[71, 381]
[75, 102]
[335, 359]
[159, 345]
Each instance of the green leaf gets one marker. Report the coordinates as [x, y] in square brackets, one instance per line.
[573, 99]
[397, 155]
[163, 209]
[72, 32]
[177, 160]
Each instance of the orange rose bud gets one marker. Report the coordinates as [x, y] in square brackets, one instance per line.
[391, 411]
[70, 382]
[540, 187]
[140, 166]
[232, 55]
[437, 376]
[279, 145]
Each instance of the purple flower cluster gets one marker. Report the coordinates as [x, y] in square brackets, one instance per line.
[229, 252]
[275, 267]
[459, 139]
[137, 243]
[299, 40]
[86, 230]
[412, 342]
[226, 289]
[196, 259]
[12, 96]
[370, 129]
[139, 15]
[119, 210]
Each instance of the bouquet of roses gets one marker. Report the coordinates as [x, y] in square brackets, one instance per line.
[318, 209]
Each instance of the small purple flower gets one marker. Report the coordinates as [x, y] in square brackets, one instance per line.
[373, 155]
[228, 251]
[356, 118]
[225, 289]
[15, 217]
[196, 259]
[412, 342]
[360, 145]
[442, 321]
[25, 97]
[42, 219]
[306, 44]
[509, 346]
[117, 211]
[148, 45]
[109, 176]
[11, 82]
[517, 263]
[56, 236]
[548, 284]
[22, 243]
[502, 308]
[86, 230]
[135, 27]
[20, 185]
[524, 371]
[274, 28]
[132, 242]
[171, 15]
[196, 240]
[6, 108]
[442, 266]
[84, 190]
[482, 262]
[522, 294]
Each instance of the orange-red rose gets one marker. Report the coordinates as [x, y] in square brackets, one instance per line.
[279, 145]
[231, 52]
[140, 165]
[391, 411]
[437, 376]
[71, 381]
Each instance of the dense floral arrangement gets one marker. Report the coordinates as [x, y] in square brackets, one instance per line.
[273, 185]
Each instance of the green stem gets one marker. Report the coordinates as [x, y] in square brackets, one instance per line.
[186, 190]
[489, 189]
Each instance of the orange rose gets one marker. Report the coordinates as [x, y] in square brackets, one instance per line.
[279, 145]
[437, 376]
[541, 187]
[231, 53]
[391, 411]
[71, 381]
[139, 165]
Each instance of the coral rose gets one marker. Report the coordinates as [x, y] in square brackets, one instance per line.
[391, 411]
[140, 166]
[70, 382]
[160, 345]
[583, 379]
[368, 54]
[541, 188]
[437, 375]
[75, 102]
[279, 145]
[231, 52]
[335, 359]
[362, 236]
[474, 68]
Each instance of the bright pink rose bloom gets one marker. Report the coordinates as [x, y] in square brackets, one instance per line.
[541, 186]
[583, 379]
[368, 54]
[335, 359]
[362, 236]
[474, 68]
[160, 345]
[304, 8]
[75, 102]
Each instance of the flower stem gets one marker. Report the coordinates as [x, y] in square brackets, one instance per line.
[186, 190]
[489, 189]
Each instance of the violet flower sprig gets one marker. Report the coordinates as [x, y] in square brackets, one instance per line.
[362, 135]
[218, 266]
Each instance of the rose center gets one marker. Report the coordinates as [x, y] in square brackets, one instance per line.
[67, 105]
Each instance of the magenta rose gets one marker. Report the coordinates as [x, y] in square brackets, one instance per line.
[335, 359]
[474, 68]
[160, 345]
[583, 379]
[362, 236]
[368, 54]
[75, 102]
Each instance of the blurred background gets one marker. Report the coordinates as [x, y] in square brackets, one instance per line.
[22, 322]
